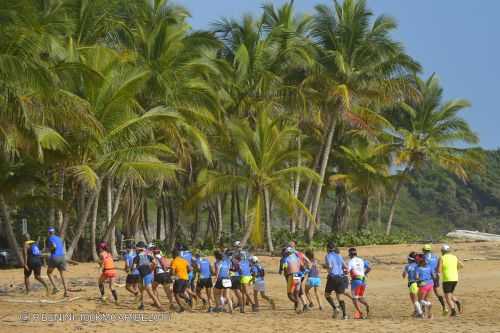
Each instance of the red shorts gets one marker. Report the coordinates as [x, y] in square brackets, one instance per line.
[359, 291]
[108, 274]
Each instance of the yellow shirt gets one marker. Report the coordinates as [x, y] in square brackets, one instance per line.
[450, 267]
[180, 268]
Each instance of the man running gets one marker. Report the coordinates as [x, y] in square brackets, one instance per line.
[222, 282]
[432, 261]
[162, 275]
[32, 260]
[246, 281]
[180, 268]
[144, 263]
[133, 276]
[234, 273]
[410, 272]
[56, 259]
[259, 284]
[425, 284]
[294, 277]
[358, 268]
[336, 279]
[448, 267]
[205, 272]
[108, 271]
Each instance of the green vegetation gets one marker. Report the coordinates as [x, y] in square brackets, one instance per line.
[117, 120]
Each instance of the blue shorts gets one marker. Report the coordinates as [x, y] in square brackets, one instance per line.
[148, 279]
[356, 283]
[314, 281]
[190, 276]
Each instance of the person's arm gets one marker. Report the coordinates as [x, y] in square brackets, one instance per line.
[460, 264]
[404, 274]
[25, 256]
[440, 266]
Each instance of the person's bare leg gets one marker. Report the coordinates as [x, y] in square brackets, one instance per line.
[208, 291]
[269, 299]
[363, 301]
[308, 296]
[113, 290]
[356, 302]
[61, 273]
[27, 284]
[42, 281]
[228, 299]
[168, 291]
[51, 279]
[156, 301]
[316, 293]
[256, 298]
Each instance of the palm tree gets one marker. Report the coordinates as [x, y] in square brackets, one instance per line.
[368, 166]
[430, 131]
[358, 64]
[262, 154]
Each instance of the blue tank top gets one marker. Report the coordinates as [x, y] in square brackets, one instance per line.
[245, 268]
[204, 266]
[258, 272]
[424, 274]
[129, 258]
[223, 267]
[411, 271]
[56, 246]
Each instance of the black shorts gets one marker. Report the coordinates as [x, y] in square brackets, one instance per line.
[218, 285]
[449, 286]
[163, 278]
[204, 283]
[235, 283]
[132, 279]
[336, 283]
[36, 268]
[435, 279]
[180, 286]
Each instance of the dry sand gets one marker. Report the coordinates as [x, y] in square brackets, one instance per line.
[479, 288]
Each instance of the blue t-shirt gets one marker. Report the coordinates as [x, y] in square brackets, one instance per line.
[204, 267]
[258, 272]
[245, 268]
[129, 258]
[411, 271]
[188, 256]
[223, 267]
[55, 246]
[335, 264]
[424, 274]
[432, 261]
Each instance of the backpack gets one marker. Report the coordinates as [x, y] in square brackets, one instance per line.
[143, 264]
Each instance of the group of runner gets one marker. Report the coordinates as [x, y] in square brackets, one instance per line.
[236, 278]
[424, 272]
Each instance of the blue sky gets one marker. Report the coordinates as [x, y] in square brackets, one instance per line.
[457, 39]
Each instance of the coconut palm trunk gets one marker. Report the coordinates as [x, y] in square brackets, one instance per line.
[394, 200]
[322, 173]
[269, 234]
[363, 213]
[9, 232]
[95, 256]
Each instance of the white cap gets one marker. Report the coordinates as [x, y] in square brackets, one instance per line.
[445, 248]
[237, 244]
[254, 259]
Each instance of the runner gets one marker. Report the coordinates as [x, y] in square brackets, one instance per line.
[336, 279]
[144, 263]
[304, 263]
[234, 274]
[133, 276]
[294, 277]
[358, 268]
[425, 284]
[56, 259]
[432, 261]
[410, 272]
[448, 267]
[187, 255]
[204, 270]
[313, 279]
[246, 281]
[108, 271]
[181, 268]
[223, 282]
[162, 275]
[32, 260]
[259, 284]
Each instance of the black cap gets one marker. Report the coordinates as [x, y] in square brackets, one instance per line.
[140, 244]
[353, 251]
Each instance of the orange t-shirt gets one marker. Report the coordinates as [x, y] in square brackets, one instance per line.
[180, 268]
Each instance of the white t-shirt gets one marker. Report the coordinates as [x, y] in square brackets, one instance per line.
[356, 267]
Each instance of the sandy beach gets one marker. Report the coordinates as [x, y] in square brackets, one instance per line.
[479, 288]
